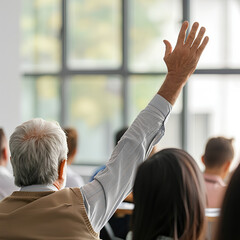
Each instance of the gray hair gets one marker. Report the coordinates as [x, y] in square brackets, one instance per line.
[37, 148]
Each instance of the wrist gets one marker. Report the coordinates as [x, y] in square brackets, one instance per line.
[172, 87]
[176, 79]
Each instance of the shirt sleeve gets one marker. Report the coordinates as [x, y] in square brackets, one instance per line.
[111, 186]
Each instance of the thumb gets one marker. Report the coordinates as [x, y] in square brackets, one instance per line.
[168, 49]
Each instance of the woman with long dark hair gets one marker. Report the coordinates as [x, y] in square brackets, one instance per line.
[169, 197]
[228, 226]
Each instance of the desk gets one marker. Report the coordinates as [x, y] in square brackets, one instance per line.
[212, 215]
[125, 208]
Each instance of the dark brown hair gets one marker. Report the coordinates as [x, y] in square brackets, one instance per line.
[169, 197]
[218, 151]
[72, 140]
[228, 226]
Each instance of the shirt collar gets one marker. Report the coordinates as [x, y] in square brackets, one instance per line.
[214, 179]
[39, 188]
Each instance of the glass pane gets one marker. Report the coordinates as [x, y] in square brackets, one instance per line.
[40, 98]
[141, 91]
[213, 112]
[152, 21]
[221, 18]
[94, 39]
[40, 31]
[94, 107]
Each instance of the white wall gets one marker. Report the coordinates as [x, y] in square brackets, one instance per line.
[9, 65]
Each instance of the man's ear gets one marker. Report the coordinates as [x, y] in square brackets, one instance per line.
[227, 166]
[203, 161]
[5, 153]
[61, 169]
[5, 156]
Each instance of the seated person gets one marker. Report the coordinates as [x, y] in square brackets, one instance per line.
[73, 179]
[169, 198]
[217, 159]
[7, 185]
[42, 209]
[228, 225]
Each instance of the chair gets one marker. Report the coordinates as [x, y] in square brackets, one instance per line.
[212, 215]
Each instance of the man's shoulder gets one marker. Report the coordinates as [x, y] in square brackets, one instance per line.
[72, 193]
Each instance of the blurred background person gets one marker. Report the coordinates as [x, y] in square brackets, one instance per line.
[7, 185]
[73, 178]
[217, 159]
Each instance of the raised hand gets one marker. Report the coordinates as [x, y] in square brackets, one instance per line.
[184, 58]
[182, 61]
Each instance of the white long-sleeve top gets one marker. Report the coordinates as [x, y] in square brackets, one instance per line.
[110, 187]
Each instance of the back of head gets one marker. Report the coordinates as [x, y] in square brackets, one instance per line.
[169, 197]
[228, 226]
[2, 143]
[37, 148]
[72, 140]
[218, 151]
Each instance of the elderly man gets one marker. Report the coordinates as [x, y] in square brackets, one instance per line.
[41, 210]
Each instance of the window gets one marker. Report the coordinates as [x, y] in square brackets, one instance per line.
[219, 116]
[213, 90]
[94, 65]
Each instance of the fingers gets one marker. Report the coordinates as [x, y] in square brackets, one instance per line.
[202, 46]
[182, 33]
[168, 49]
[192, 34]
[198, 40]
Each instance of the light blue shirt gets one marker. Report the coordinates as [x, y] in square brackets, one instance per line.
[111, 186]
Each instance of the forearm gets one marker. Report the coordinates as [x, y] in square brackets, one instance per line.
[171, 87]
